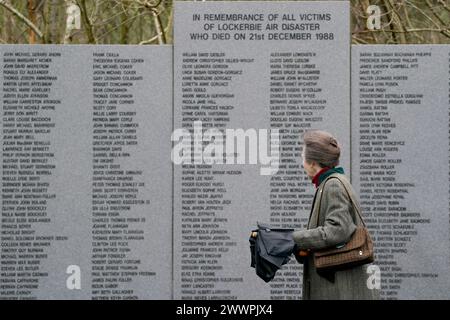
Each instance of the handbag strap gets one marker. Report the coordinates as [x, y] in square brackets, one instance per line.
[350, 195]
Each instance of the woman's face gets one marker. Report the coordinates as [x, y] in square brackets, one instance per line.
[309, 167]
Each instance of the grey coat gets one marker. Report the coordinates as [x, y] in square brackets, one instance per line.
[335, 226]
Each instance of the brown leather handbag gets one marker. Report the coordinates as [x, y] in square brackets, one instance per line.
[357, 251]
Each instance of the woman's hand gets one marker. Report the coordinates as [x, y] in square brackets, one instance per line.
[300, 255]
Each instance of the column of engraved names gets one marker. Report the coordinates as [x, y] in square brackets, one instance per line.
[28, 163]
[296, 105]
[206, 97]
[384, 194]
[116, 183]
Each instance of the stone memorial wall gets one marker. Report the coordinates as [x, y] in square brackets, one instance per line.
[400, 163]
[250, 67]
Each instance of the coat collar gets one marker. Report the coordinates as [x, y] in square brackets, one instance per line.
[325, 173]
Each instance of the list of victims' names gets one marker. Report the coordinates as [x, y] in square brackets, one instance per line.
[47, 217]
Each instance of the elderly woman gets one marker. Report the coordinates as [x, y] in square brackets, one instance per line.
[330, 225]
